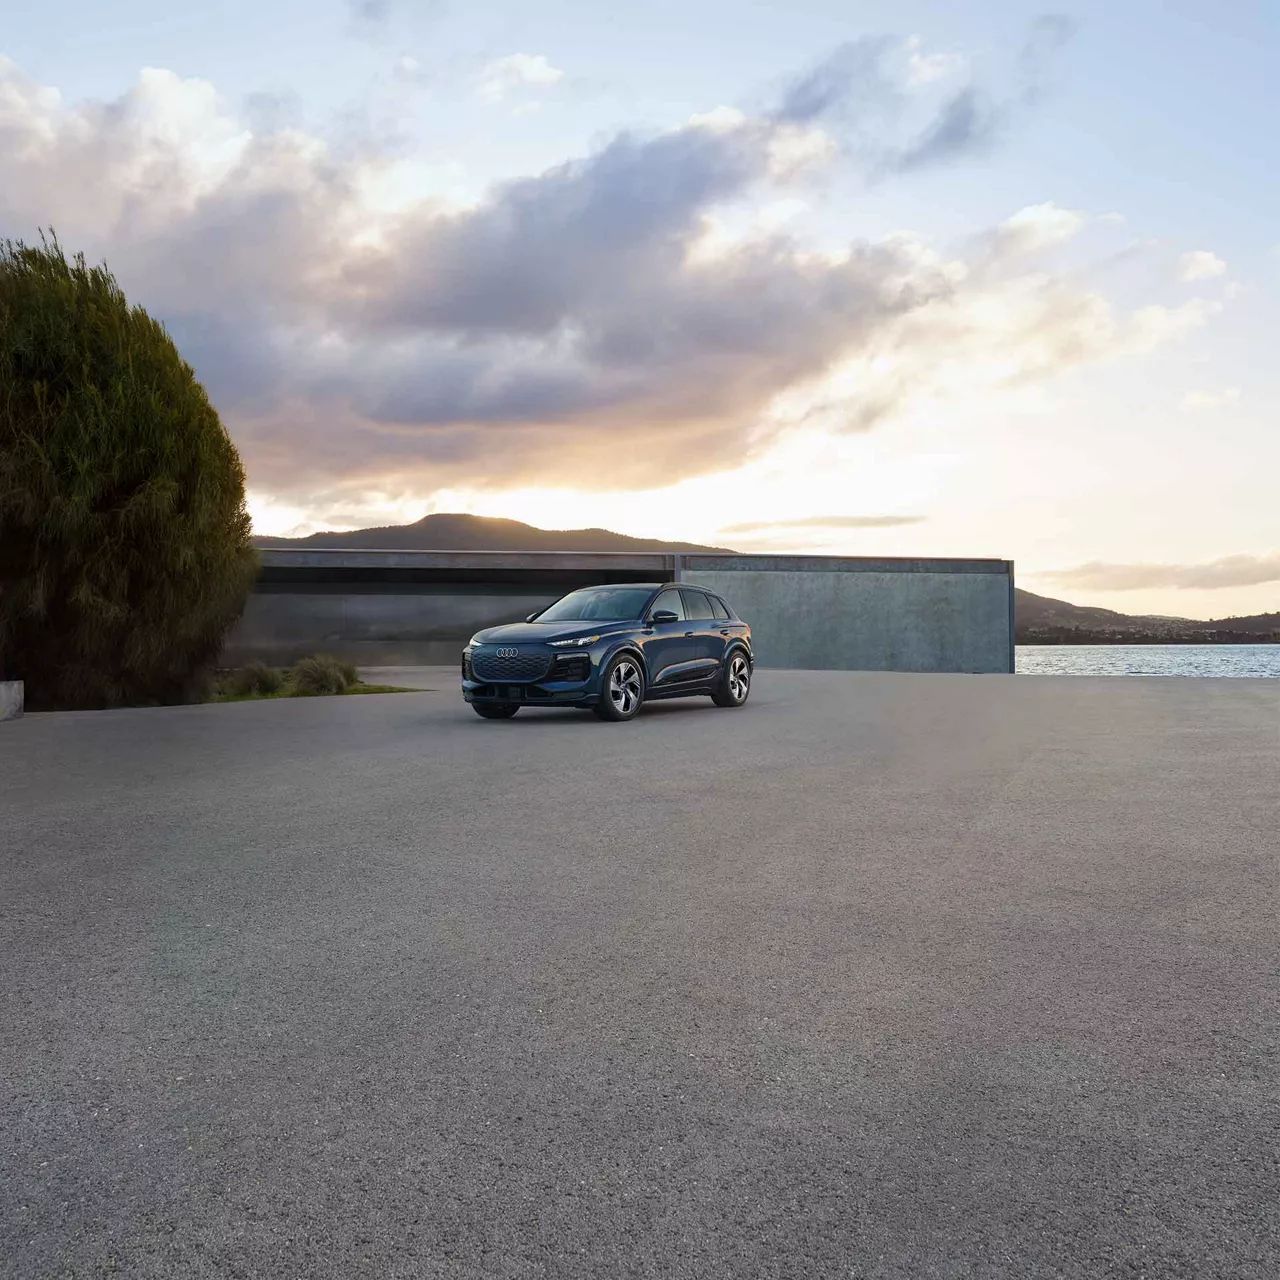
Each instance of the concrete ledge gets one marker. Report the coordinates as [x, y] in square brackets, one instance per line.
[693, 563]
[10, 699]
[658, 564]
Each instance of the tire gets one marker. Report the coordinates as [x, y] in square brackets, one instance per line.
[735, 684]
[494, 710]
[621, 688]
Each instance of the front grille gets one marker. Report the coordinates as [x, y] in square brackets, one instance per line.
[524, 666]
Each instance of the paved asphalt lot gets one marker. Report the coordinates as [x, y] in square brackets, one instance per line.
[880, 976]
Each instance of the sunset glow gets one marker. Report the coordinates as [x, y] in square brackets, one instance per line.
[834, 287]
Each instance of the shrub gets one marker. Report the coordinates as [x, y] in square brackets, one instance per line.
[125, 548]
[315, 677]
[253, 678]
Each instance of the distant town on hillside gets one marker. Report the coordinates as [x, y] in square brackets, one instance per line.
[1038, 619]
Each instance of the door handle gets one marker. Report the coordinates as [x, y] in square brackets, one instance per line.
[724, 631]
[687, 634]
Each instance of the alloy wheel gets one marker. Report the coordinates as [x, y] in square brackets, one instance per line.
[739, 678]
[624, 687]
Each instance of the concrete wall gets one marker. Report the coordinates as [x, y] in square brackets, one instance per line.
[865, 615]
[397, 625]
[393, 608]
[406, 608]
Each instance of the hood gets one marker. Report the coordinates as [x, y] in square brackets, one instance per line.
[541, 632]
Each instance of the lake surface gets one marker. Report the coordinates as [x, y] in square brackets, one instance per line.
[1149, 660]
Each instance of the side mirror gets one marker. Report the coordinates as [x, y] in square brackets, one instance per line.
[665, 615]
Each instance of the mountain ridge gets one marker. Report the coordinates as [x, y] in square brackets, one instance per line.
[447, 531]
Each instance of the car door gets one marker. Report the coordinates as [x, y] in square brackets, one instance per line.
[728, 627]
[670, 647]
[708, 640]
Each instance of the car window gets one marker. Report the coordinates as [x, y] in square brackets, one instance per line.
[590, 604]
[669, 600]
[718, 609]
[696, 604]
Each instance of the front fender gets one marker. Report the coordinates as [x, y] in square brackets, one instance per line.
[630, 647]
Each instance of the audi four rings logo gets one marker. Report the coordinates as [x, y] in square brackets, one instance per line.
[508, 653]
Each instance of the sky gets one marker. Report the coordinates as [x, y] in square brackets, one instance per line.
[910, 278]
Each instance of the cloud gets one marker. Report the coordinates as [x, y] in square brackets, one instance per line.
[1230, 571]
[499, 79]
[407, 69]
[370, 12]
[1211, 399]
[1049, 34]
[1155, 325]
[928, 68]
[823, 522]
[1034, 229]
[867, 89]
[1200, 264]
[853, 80]
[855, 87]
[968, 123]
[569, 326]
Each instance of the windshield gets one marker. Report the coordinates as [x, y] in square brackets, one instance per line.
[598, 604]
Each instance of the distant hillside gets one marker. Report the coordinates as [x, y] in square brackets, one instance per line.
[1032, 610]
[482, 533]
[1255, 622]
[1042, 620]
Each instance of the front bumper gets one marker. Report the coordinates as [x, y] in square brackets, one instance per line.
[570, 679]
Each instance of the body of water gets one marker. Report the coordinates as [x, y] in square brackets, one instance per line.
[1149, 660]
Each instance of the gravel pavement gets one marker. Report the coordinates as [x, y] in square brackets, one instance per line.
[918, 976]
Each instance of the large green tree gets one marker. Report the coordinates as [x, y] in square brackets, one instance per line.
[125, 549]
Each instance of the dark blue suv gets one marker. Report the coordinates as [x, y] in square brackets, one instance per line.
[610, 649]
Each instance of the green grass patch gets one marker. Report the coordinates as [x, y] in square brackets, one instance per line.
[319, 676]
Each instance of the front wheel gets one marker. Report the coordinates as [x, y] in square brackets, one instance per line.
[735, 684]
[495, 710]
[622, 689]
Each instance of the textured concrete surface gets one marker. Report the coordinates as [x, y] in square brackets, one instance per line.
[387, 625]
[11, 699]
[883, 975]
[864, 620]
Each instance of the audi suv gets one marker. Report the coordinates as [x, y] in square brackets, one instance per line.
[612, 648]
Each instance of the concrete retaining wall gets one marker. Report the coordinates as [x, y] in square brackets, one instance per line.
[399, 625]
[403, 608]
[820, 613]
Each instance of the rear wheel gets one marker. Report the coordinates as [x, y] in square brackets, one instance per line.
[735, 684]
[622, 689]
[495, 710]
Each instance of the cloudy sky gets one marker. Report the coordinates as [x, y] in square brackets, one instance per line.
[908, 278]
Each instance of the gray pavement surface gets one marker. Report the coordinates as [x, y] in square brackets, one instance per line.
[927, 976]
[438, 678]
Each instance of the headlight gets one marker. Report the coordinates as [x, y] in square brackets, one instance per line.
[580, 642]
[474, 640]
